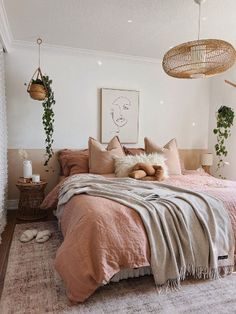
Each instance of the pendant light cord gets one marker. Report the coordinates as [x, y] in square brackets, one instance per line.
[199, 21]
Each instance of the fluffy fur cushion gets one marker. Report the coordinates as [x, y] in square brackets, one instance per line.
[124, 165]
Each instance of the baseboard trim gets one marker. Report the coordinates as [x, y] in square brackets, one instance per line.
[12, 204]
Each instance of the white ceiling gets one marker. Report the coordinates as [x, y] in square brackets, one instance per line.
[103, 24]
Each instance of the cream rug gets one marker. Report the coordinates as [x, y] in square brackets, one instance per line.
[32, 287]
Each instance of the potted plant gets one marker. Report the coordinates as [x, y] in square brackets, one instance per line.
[37, 89]
[225, 119]
[40, 89]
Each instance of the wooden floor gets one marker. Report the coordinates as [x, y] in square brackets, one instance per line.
[6, 241]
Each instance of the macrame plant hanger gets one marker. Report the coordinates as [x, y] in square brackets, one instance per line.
[37, 87]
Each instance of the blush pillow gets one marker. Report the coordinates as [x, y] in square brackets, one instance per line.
[100, 158]
[170, 152]
[73, 161]
[133, 151]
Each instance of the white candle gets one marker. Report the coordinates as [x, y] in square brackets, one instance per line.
[35, 178]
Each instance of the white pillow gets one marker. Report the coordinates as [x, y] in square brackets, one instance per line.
[124, 165]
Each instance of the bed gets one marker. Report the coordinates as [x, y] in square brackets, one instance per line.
[107, 239]
[81, 260]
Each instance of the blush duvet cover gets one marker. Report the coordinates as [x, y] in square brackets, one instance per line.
[102, 237]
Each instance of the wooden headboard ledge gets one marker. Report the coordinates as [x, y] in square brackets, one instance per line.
[191, 157]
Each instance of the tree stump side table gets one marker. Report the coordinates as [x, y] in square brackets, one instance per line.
[31, 197]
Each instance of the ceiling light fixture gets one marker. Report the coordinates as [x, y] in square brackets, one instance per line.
[129, 21]
[199, 58]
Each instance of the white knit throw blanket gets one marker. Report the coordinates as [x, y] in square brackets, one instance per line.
[189, 233]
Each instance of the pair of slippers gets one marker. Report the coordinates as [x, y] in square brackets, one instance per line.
[40, 236]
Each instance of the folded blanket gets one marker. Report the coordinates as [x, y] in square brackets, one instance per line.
[189, 233]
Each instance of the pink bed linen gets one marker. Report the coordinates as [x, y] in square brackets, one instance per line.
[224, 190]
[101, 237]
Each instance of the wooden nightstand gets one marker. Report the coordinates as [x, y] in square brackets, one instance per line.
[31, 196]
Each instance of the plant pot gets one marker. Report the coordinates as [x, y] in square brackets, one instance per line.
[37, 91]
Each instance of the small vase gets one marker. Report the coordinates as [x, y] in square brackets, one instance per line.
[27, 169]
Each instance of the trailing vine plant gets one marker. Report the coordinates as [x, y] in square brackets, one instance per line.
[225, 119]
[48, 119]
[44, 93]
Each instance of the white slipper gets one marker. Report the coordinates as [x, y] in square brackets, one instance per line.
[28, 235]
[43, 236]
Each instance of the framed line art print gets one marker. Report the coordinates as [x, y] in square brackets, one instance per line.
[119, 115]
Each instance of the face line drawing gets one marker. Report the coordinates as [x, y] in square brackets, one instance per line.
[118, 111]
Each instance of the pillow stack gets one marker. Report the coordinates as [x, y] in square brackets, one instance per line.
[119, 160]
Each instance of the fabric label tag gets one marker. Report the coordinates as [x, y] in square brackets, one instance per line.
[223, 257]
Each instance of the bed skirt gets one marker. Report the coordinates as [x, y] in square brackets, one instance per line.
[139, 272]
[131, 273]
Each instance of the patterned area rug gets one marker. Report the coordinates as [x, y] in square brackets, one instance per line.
[33, 287]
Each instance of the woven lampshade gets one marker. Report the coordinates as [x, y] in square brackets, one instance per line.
[199, 58]
[207, 159]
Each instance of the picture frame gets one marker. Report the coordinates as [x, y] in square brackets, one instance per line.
[119, 115]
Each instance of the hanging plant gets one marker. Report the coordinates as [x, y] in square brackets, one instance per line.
[225, 119]
[48, 119]
[37, 87]
[40, 89]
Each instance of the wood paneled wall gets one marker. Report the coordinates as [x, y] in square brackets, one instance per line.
[190, 157]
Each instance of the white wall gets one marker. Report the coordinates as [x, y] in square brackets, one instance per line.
[168, 107]
[223, 94]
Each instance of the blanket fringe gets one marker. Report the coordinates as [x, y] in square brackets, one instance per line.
[200, 272]
[169, 285]
[226, 270]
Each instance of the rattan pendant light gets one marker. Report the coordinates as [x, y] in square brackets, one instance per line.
[199, 58]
